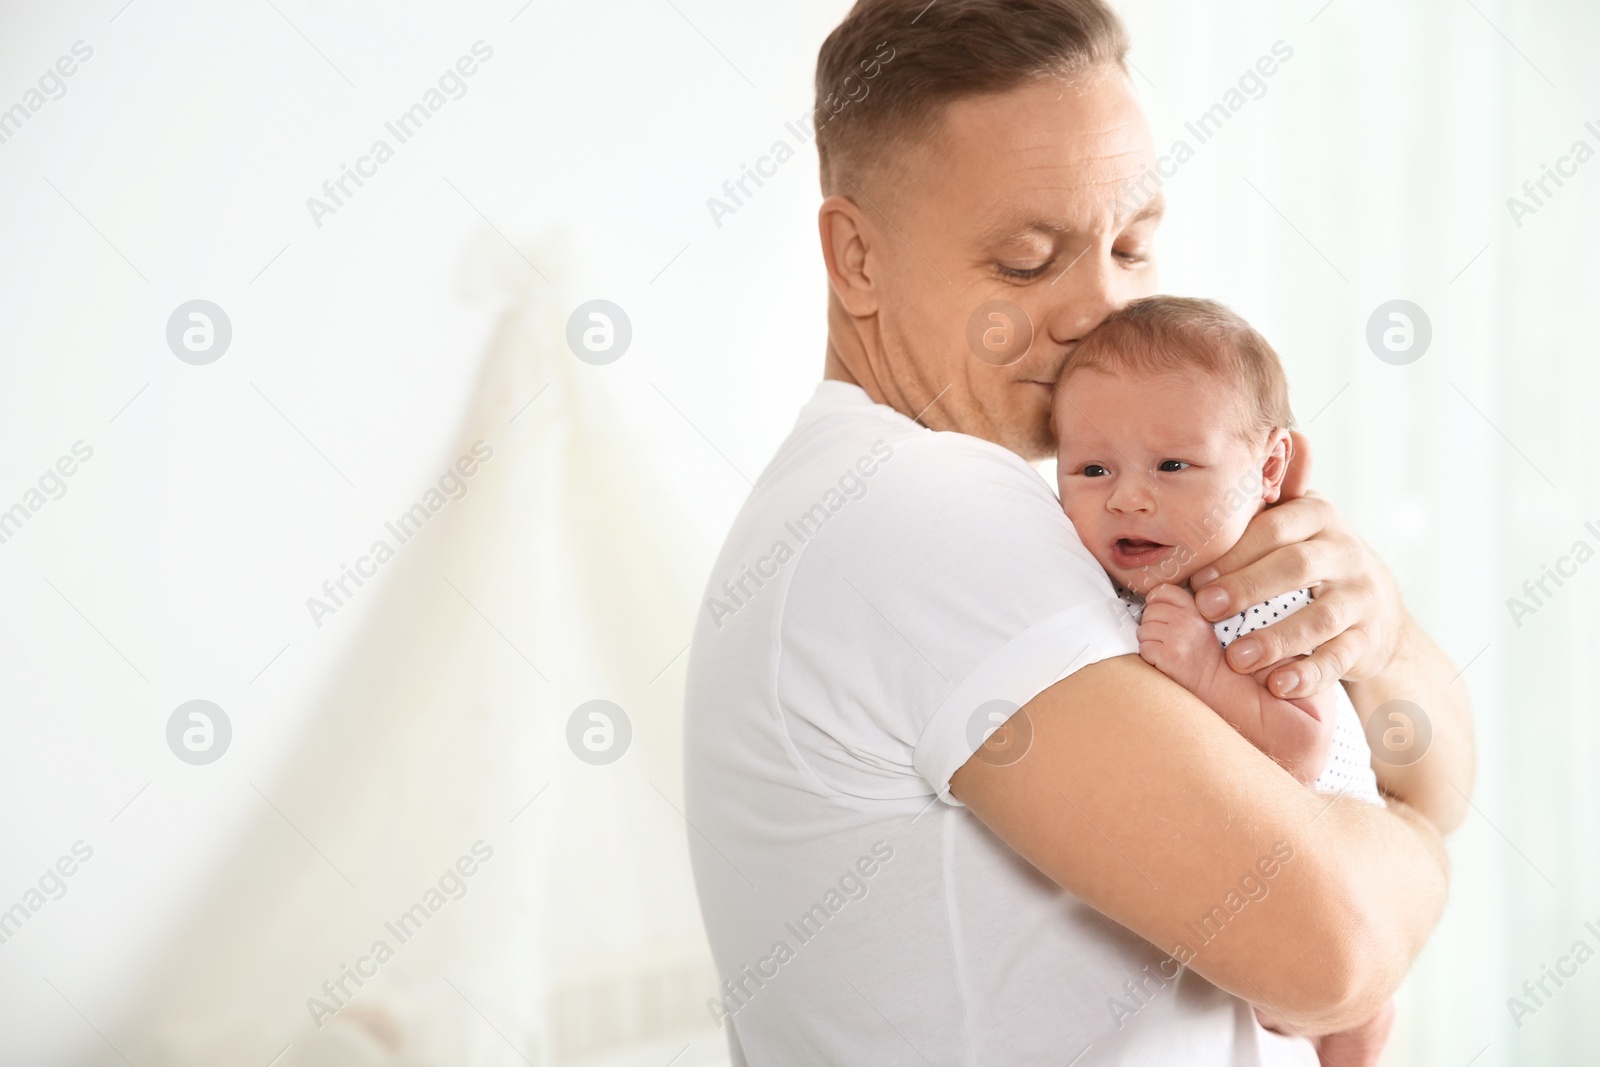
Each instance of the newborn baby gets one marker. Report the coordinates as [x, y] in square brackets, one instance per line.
[1172, 426]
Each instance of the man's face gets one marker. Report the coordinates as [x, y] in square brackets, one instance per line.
[1021, 197]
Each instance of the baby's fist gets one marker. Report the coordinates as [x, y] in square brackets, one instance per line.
[1176, 639]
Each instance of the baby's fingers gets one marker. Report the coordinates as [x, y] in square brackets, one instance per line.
[1171, 596]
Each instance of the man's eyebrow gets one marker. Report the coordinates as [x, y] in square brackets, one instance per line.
[1015, 228]
[1153, 208]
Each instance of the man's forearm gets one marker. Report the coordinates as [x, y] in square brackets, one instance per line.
[1145, 804]
[1438, 781]
[1381, 850]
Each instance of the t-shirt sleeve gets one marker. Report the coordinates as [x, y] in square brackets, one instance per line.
[922, 615]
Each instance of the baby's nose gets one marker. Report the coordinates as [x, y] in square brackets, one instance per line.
[1132, 495]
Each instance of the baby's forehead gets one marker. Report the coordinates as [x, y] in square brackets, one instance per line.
[1113, 373]
[1167, 408]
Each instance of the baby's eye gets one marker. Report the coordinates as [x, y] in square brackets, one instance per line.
[1172, 466]
[1094, 470]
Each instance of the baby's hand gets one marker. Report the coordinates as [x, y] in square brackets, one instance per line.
[1177, 640]
[1303, 752]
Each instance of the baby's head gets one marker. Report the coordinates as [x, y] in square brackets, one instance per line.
[1172, 431]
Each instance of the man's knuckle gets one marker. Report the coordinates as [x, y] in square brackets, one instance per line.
[1354, 646]
[1302, 556]
[1334, 660]
[1277, 521]
[1279, 525]
[1272, 644]
[1335, 615]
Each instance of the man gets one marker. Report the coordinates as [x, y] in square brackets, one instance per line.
[1114, 876]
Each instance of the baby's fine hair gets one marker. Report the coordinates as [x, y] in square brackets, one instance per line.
[1161, 334]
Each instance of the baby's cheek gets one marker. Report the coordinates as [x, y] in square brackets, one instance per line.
[1101, 556]
[1206, 550]
[1079, 517]
[1194, 562]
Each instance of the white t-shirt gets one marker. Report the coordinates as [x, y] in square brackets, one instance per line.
[886, 596]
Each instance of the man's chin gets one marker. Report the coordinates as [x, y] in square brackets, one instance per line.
[1029, 437]
[1018, 419]
[1029, 430]
[1038, 445]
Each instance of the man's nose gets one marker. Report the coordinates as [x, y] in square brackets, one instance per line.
[1082, 296]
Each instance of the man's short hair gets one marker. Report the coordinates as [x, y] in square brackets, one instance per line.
[1164, 334]
[940, 52]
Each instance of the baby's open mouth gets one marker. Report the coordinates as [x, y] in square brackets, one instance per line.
[1136, 552]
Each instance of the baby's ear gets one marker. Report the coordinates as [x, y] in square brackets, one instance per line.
[1280, 453]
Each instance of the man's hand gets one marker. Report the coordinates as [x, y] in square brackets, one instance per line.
[1360, 632]
[1176, 640]
[1355, 619]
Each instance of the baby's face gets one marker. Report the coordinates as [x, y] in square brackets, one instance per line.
[1155, 472]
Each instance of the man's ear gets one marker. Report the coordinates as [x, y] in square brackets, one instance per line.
[846, 248]
[1281, 457]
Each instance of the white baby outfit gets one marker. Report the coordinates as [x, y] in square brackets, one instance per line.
[1349, 769]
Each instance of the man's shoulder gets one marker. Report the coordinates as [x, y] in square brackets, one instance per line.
[846, 450]
[891, 484]
[860, 495]
[941, 463]
[932, 507]
[841, 418]
[964, 478]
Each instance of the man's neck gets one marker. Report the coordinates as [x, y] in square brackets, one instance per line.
[846, 359]
[835, 370]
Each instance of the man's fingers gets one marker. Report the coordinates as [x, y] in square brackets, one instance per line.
[1322, 669]
[1277, 527]
[1314, 626]
[1261, 674]
[1299, 565]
